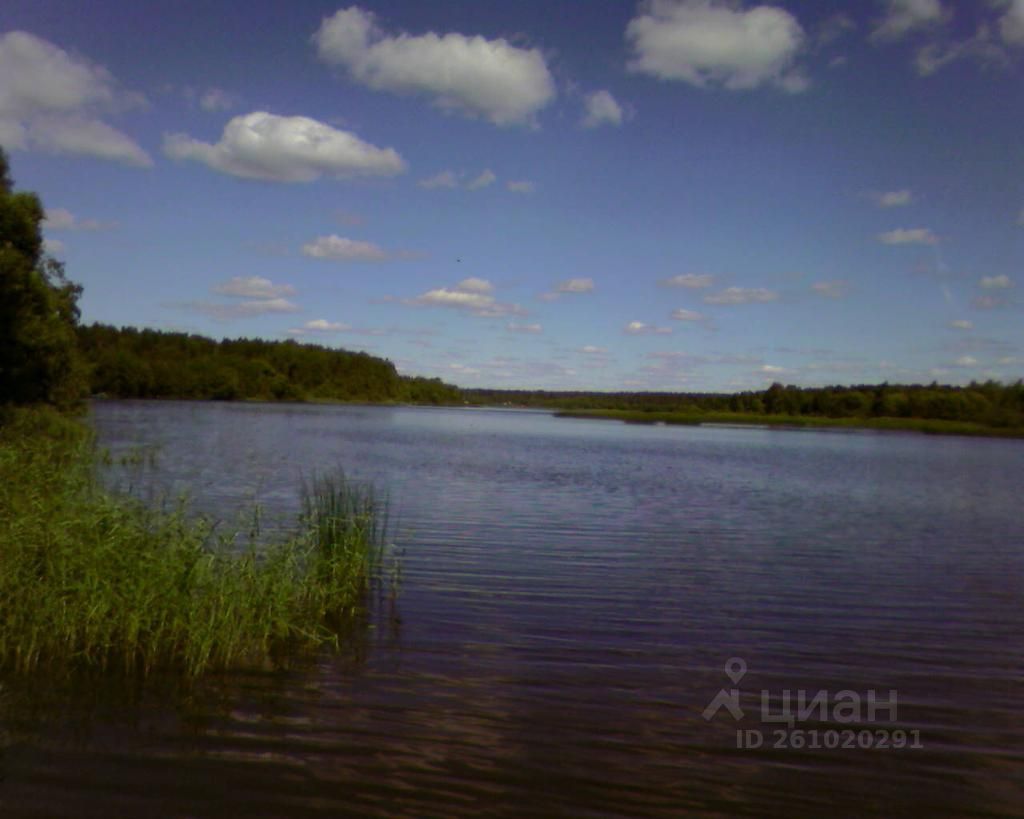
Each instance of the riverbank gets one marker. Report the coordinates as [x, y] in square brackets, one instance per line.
[929, 426]
[96, 580]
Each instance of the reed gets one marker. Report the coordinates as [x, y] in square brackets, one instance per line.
[95, 580]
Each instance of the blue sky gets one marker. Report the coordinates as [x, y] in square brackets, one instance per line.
[662, 195]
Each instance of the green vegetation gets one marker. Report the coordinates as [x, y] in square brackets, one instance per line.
[977, 409]
[89, 580]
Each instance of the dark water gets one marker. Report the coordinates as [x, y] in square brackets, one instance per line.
[571, 593]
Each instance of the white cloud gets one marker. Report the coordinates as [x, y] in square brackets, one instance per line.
[470, 295]
[286, 149]
[831, 290]
[894, 199]
[1011, 24]
[903, 16]
[742, 295]
[576, 286]
[966, 361]
[961, 324]
[590, 349]
[320, 326]
[771, 369]
[253, 287]
[996, 282]
[493, 79]
[692, 281]
[639, 328]
[338, 248]
[602, 109]
[707, 42]
[51, 100]
[245, 309]
[475, 285]
[217, 99]
[485, 178]
[521, 186]
[63, 219]
[444, 179]
[532, 329]
[54, 247]
[687, 315]
[908, 236]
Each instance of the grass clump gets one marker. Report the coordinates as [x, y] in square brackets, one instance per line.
[90, 579]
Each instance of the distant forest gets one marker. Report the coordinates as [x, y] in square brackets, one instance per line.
[131, 363]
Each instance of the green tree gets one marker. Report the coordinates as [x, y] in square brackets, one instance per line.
[38, 308]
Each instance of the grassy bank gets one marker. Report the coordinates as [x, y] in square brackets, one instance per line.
[88, 579]
[927, 425]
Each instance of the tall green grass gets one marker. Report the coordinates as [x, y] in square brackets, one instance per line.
[90, 579]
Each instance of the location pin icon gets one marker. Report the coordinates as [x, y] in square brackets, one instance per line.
[735, 668]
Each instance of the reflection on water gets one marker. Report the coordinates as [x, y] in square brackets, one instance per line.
[571, 592]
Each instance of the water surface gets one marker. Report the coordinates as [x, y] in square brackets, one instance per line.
[571, 591]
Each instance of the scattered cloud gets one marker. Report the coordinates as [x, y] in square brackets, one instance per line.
[981, 46]
[691, 281]
[569, 287]
[471, 296]
[52, 101]
[63, 219]
[831, 290]
[962, 324]
[742, 295]
[320, 326]
[904, 16]
[717, 42]
[602, 109]
[339, 249]
[243, 309]
[687, 315]
[286, 149]
[908, 236]
[990, 301]
[639, 328]
[522, 186]
[772, 369]
[590, 349]
[253, 287]
[444, 179]
[493, 79]
[55, 247]
[995, 282]
[893, 199]
[966, 361]
[485, 179]
[217, 99]
[1011, 24]
[530, 329]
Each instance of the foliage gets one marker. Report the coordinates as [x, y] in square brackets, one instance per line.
[95, 581]
[38, 309]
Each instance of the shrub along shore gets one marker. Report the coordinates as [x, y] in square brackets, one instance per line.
[91, 580]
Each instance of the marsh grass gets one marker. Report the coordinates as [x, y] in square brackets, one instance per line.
[89, 579]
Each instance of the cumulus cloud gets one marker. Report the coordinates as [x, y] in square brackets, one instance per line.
[485, 178]
[601, 108]
[714, 42]
[639, 328]
[493, 79]
[904, 16]
[691, 281]
[908, 236]
[687, 315]
[320, 326]
[742, 295]
[470, 295]
[444, 179]
[243, 309]
[961, 324]
[831, 290]
[521, 186]
[590, 349]
[893, 199]
[286, 149]
[996, 282]
[530, 329]
[339, 249]
[966, 361]
[576, 286]
[772, 369]
[1011, 24]
[217, 99]
[63, 219]
[253, 287]
[52, 101]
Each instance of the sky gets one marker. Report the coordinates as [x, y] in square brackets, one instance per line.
[670, 195]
